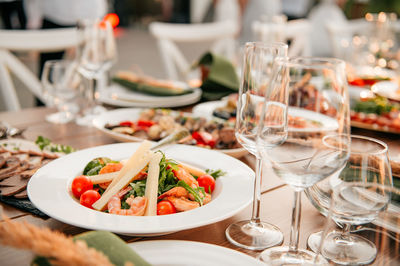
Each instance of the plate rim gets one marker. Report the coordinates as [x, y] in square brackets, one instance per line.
[117, 219]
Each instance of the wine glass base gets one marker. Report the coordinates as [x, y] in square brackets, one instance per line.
[282, 256]
[89, 115]
[60, 117]
[348, 250]
[254, 236]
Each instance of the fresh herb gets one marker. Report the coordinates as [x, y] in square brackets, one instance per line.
[377, 105]
[94, 166]
[45, 143]
[198, 193]
[138, 188]
[215, 173]
[167, 179]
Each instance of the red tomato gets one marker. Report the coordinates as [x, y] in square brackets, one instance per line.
[145, 123]
[89, 197]
[80, 184]
[204, 138]
[126, 124]
[207, 182]
[165, 207]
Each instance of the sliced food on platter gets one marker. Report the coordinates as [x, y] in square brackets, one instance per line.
[155, 124]
[127, 188]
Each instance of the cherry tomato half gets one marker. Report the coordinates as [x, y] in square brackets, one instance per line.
[165, 207]
[145, 123]
[207, 182]
[126, 124]
[89, 197]
[80, 184]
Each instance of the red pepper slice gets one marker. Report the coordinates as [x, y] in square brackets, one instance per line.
[145, 123]
[126, 124]
[204, 138]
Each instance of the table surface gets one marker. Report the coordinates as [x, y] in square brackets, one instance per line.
[276, 198]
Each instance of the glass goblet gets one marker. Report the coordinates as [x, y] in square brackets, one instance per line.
[317, 143]
[256, 77]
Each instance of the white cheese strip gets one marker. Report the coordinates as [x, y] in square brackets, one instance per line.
[152, 184]
[123, 182]
[103, 178]
[192, 169]
[139, 153]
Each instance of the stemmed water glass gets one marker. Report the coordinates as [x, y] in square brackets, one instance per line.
[357, 199]
[256, 79]
[317, 143]
[61, 88]
[96, 54]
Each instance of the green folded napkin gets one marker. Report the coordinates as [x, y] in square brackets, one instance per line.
[117, 251]
[221, 79]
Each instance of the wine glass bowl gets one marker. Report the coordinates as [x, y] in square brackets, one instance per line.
[317, 142]
[354, 197]
[257, 79]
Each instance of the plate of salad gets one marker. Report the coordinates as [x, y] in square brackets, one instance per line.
[134, 124]
[127, 188]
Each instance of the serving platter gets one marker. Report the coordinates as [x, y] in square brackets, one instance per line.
[117, 95]
[132, 114]
[50, 191]
[190, 253]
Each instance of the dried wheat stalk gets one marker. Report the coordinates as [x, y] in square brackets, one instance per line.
[60, 249]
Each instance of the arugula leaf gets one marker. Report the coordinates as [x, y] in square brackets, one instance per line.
[138, 188]
[198, 193]
[167, 179]
[215, 173]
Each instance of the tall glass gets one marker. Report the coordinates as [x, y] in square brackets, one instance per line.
[61, 89]
[317, 143]
[256, 78]
[97, 53]
[368, 164]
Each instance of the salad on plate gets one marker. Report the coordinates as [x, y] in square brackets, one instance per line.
[146, 184]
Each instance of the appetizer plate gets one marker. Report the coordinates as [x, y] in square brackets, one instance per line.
[132, 114]
[50, 191]
[190, 254]
[117, 95]
[326, 123]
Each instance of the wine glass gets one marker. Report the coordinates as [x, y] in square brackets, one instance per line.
[317, 143]
[258, 61]
[61, 88]
[349, 205]
[97, 53]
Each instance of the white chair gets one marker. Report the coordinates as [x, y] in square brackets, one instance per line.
[221, 34]
[295, 31]
[23, 41]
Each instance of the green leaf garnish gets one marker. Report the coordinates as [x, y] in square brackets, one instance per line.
[198, 193]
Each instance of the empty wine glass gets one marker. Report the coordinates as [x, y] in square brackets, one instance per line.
[61, 88]
[97, 53]
[368, 164]
[256, 78]
[317, 143]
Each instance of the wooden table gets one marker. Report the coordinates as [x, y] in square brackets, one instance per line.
[276, 197]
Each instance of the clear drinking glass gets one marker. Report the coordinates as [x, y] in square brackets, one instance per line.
[61, 89]
[97, 53]
[317, 143]
[256, 79]
[368, 164]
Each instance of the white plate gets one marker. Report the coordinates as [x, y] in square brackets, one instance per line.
[206, 109]
[190, 253]
[119, 96]
[49, 191]
[132, 114]
[388, 89]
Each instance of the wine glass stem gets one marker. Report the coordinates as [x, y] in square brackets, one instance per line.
[295, 226]
[91, 92]
[255, 216]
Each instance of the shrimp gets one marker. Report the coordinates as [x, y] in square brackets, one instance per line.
[183, 204]
[138, 204]
[175, 192]
[183, 174]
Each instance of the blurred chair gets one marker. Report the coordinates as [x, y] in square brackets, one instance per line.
[220, 34]
[28, 41]
[294, 31]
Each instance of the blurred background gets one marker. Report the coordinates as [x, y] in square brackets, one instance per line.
[137, 48]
